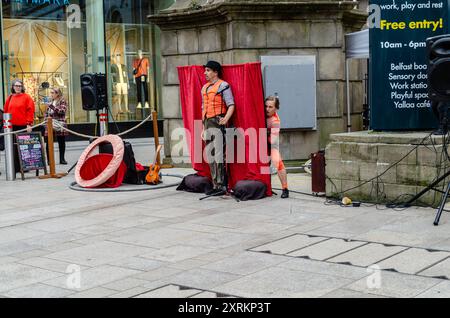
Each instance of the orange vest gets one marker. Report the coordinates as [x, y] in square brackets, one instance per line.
[213, 103]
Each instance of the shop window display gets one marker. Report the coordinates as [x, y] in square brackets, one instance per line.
[40, 48]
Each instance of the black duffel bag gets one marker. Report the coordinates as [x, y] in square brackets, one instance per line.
[132, 176]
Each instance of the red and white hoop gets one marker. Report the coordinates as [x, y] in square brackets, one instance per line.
[118, 151]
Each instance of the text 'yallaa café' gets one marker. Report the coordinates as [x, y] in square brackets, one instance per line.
[399, 62]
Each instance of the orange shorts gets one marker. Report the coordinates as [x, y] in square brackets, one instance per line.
[276, 159]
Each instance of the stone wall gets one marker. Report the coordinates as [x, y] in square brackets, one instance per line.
[240, 31]
[400, 165]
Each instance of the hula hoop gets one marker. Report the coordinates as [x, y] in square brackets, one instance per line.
[118, 151]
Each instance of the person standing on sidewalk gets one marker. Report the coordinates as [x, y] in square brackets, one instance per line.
[272, 104]
[57, 110]
[217, 109]
[21, 107]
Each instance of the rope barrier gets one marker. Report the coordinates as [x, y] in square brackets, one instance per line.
[135, 127]
[23, 130]
[59, 125]
[74, 132]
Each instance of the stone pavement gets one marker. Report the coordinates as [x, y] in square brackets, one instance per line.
[56, 242]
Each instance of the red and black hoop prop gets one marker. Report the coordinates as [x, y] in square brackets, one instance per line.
[109, 171]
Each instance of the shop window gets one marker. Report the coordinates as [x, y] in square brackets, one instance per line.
[40, 48]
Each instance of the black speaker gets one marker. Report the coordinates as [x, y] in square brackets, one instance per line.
[438, 53]
[93, 91]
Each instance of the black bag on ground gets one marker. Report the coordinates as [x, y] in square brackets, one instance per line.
[132, 176]
[249, 190]
[195, 183]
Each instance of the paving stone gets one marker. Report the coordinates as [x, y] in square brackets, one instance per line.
[48, 264]
[170, 212]
[52, 239]
[7, 259]
[32, 253]
[129, 293]
[98, 253]
[93, 277]
[367, 255]
[16, 234]
[413, 260]
[441, 290]
[97, 292]
[61, 223]
[282, 282]
[208, 294]
[38, 291]
[171, 291]
[326, 249]
[202, 278]
[125, 284]
[325, 268]
[131, 222]
[13, 275]
[345, 293]
[394, 285]
[393, 238]
[159, 273]
[138, 263]
[220, 240]
[231, 219]
[63, 246]
[246, 263]
[176, 253]
[198, 227]
[161, 237]
[289, 244]
[262, 228]
[15, 247]
[441, 269]
[358, 225]
[96, 229]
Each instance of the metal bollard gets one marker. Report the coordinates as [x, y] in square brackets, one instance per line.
[9, 148]
[103, 122]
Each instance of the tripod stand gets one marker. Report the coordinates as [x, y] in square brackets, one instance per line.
[431, 187]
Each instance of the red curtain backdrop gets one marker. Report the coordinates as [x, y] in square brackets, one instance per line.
[246, 83]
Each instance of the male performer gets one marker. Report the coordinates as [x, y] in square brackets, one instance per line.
[217, 109]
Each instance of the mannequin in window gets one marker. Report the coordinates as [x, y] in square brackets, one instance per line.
[141, 71]
[120, 83]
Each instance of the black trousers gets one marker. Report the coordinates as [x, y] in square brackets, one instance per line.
[62, 147]
[142, 85]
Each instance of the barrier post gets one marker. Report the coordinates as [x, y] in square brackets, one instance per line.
[9, 148]
[156, 135]
[51, 146]
[51, 153]
[103, 122]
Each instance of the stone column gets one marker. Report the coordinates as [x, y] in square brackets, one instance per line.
[240, 31]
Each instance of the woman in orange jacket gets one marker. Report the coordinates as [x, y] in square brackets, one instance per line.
[21, 107]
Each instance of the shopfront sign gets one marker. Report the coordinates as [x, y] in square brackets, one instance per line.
[398, 62]
[39, 2]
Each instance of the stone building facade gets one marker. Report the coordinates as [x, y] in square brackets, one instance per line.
[240, 31]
